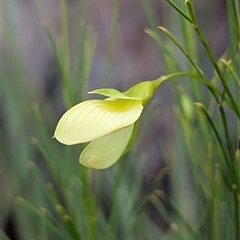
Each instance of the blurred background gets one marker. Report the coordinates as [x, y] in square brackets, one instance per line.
[122, 55]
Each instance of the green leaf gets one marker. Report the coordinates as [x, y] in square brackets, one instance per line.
[93, 119]
[105, 151]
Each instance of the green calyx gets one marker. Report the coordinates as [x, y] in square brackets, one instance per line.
[143, 90]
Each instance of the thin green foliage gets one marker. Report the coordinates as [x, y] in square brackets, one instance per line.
[111, 42]
[56, 198]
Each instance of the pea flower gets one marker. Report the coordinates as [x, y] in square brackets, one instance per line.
[108, 124]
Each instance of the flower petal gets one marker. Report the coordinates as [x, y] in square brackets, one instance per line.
[105, 151]
[112, 93]
[92, 119]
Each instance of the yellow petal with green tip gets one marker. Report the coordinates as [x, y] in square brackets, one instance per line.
[93, 119]
[105, 151]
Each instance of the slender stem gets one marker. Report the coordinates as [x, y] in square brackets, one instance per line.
[64, 25]
[162, 195]
[232, 72]
[166, 51]
[211, 56]
[235, 106]
[47, 158]
[66, 55]
[150, 14]
[237, 215]
[91, 220]
[222, 113]
[188, 33]
[230, 166]
[184, 51]
[111, 43]
[237, 9]
[233, 12]
[200, 72]
[164, 78]
[205, 112]
[28, 206]
[229, 143]
[215, 207]
[179, 10]
[112, 214]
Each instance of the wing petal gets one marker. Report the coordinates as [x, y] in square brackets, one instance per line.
[105, 151]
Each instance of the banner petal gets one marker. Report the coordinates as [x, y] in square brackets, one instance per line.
[93, 119]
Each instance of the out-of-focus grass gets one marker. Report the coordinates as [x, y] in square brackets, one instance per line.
[53, 197]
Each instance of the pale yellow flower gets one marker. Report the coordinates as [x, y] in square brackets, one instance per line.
[109, 125]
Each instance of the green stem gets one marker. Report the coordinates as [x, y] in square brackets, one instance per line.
[150, 14]
[66, 55]
[230, 163]
[223, 117]
[111, 43]
[184, 51]
[237, 10]
[205, 112]
[113, 218]
[45, 216]
[194, 64]
[211, 56]
[232, 72]
[222, 113]
[229, 143]
[212, 91]
[166, 51]
[236, 216]
[226, 156]
[233, 12]
[179, 10]
[47, 158]
[68, 222]
[178, 214]
[190, 46]
[156, 83]
[91, 219]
